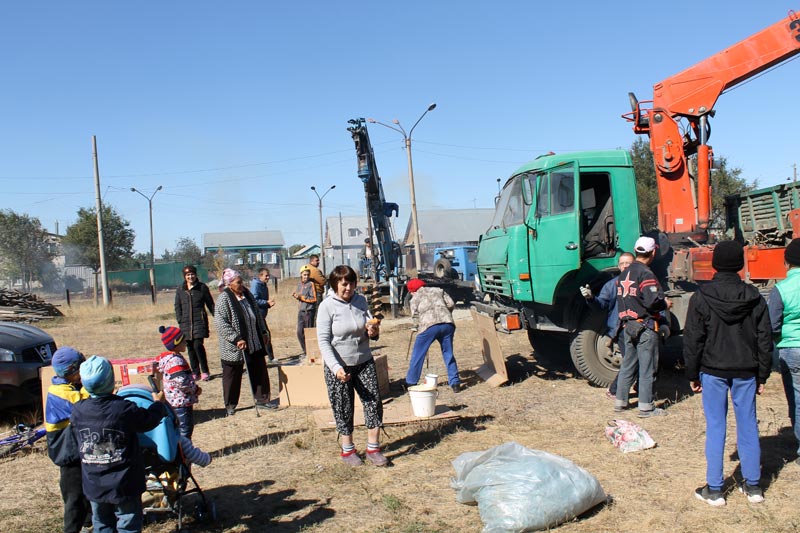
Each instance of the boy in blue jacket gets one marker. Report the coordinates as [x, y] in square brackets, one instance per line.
[105, 426]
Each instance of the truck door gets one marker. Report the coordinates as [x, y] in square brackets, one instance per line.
[555, 231]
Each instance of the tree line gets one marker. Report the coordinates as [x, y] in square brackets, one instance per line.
[27, 250]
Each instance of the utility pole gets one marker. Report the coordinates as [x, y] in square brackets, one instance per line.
[341, 235]
[407, 139]
[100, 242]
[321, 241]
[152, 252]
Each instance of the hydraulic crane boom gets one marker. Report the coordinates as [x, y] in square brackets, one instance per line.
[380, 211]
[688, 99]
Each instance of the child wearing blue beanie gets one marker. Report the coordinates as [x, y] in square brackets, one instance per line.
[105, 426]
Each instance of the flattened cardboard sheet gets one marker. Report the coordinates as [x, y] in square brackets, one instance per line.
[304, 385]
[397, 412]
[493, 370]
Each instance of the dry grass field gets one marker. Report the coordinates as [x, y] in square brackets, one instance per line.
[279, 473]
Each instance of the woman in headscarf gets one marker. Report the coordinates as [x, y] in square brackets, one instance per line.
[191, 301]
[242, 339]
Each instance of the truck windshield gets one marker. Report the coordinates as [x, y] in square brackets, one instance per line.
[509, 210]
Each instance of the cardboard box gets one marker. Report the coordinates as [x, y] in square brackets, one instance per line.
[304, 385]
[126, 372]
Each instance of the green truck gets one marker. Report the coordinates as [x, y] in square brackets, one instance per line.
[561, 222]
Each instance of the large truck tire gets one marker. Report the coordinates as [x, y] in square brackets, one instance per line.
[591, 355]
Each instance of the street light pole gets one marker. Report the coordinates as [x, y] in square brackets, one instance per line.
[321, 242]
[407, 139]
[152, 254]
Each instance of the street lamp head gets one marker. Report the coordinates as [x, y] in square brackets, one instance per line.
[133, 189]
[333, 186]
[431, 107]
[395, 121]
[159, 188]
[371, 120]
[313, 188]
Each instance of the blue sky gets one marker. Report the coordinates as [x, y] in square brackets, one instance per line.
[237, 108]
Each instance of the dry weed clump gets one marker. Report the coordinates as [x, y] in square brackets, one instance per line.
[279, 473]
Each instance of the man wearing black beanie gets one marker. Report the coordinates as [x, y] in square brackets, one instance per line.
[727, 344]
[784, 312]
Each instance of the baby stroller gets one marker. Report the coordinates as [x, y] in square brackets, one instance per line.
[168, 473]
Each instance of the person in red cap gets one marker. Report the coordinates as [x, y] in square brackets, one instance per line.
[432, 312]
[180, 388]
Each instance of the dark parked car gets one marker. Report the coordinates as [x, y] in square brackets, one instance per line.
[23, 350]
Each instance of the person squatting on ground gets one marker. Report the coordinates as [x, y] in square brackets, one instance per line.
[727, 345]
[317, 276]
[306, 296]
[62, 447]
[242, 334]
[191, 301]
[639, 300]
[180, 389]
[607, 301]
[784, 312]
[344, 329]
[105, 426]
[260, 289]
[432, 313]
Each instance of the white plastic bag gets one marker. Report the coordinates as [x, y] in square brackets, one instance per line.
[518, 489]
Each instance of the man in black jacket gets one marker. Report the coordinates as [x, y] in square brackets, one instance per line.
[727, 344]
[639, 303]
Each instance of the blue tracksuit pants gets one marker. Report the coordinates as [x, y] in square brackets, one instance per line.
[715, 407]
[444, 334]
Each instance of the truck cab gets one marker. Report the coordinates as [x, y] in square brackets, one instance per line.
[561, 221]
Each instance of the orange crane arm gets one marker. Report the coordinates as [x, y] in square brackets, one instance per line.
[690, 96]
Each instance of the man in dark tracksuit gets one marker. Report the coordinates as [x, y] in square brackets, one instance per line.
[607, 301]
[727, 344]
[639, 300]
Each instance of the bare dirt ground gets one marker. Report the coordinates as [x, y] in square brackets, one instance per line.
[279, 473]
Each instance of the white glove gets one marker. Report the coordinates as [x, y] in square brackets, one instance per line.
[586, 292]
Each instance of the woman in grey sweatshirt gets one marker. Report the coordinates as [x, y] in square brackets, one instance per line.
[344, 328]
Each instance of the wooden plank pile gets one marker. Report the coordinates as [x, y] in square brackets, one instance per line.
[16, 306]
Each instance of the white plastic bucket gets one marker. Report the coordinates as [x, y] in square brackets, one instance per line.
[423, 401]
[431, 379]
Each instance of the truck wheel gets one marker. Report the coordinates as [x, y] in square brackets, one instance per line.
[443, 269]
[591, 354]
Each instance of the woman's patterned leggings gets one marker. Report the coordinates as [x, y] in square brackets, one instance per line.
[364, 381]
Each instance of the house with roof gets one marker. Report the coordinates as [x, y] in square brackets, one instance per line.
[344, 240]
[293, 263]
[248, 248]
[444, 227]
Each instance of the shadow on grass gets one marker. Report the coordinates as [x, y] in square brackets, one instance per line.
[776, 451]
[251, 508]
[260, 440]
[432, 434]
[520, 368]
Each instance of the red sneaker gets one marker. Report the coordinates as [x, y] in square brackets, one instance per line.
[377, 458]
[351, 458]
